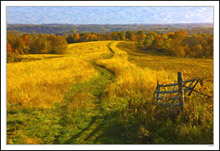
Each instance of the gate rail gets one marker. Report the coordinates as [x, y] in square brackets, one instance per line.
[179, 90]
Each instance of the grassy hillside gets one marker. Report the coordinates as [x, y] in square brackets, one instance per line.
[158, 61]
[102, 93]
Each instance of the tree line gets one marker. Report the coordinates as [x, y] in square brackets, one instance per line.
[179, 44]
[34, 44]
[173, 43]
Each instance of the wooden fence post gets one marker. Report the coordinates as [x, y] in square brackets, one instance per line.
[158, 89]
[180, 86]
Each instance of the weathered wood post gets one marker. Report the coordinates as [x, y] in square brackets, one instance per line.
[158, 89]
[180, 86]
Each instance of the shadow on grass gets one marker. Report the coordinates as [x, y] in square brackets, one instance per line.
[107, 129]
[93, 120]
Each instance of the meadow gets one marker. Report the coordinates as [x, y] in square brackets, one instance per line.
[102, 93]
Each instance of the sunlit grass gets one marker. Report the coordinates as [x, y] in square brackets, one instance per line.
[169, 66]
[33, 57]
[155, 60]
[136, 75]
[42, 83]
[132, 80]
[93, 94]
[89, 50]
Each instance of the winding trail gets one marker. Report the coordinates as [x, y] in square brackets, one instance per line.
[98, 121]
[101, 123]
[96, 87]
[105, 74]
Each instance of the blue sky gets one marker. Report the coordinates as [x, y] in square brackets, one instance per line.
[108, 15]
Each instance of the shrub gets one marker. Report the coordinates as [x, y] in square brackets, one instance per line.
[13, 57]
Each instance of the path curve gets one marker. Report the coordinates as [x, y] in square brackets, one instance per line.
[99, 84]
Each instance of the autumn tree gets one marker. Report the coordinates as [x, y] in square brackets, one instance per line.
[133, 37]
[115, 35]
[16, 43]
[26, 47]
[70, 38]
[9, 49]
[39, 44]
[12, 55]
[128, 35]
[121, 36]
[141, 36]
[60, 45]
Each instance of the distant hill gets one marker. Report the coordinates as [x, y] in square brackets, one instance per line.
[60, 29]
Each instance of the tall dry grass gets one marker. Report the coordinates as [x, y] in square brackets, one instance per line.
[99, 106]
[165, 66]
[43, 82]
[89, 50]
[131, 80]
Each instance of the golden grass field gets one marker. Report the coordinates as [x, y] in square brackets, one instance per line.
[168, 65]
[41, 81]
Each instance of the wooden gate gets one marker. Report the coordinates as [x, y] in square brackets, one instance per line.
[174, 94]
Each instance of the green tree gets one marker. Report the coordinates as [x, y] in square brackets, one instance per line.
[121, 35]
[128, 35]
[60, 45]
